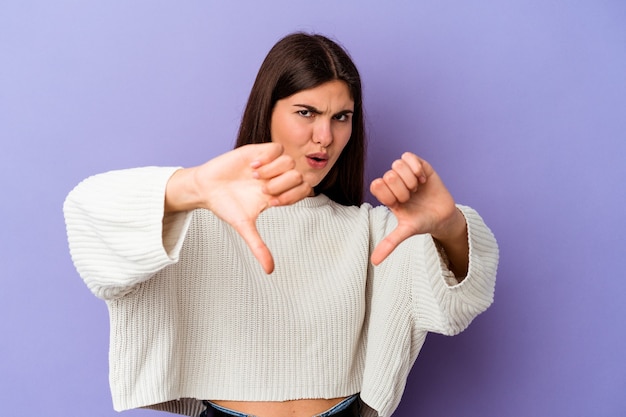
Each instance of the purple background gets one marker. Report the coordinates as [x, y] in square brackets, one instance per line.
[520, 106]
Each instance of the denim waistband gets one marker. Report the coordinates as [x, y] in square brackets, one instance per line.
[336, 409]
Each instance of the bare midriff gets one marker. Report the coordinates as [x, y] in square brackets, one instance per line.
[294, 408]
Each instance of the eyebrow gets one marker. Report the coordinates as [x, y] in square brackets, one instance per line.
[312, 109]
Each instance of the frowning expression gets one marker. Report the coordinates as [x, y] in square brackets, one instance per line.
[314, 126]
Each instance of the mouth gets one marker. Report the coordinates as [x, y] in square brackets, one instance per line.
[317, 160]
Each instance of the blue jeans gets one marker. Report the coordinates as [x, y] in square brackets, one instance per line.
[343, 405]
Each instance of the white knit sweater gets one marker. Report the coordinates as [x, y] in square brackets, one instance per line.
[193, 315]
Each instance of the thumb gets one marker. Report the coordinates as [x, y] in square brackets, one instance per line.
[388, 244]
[247, 230]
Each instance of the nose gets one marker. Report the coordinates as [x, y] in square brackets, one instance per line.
[323, 133]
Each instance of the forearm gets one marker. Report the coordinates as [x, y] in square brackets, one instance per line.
[454, 242]
[453, 307]
[114, 226]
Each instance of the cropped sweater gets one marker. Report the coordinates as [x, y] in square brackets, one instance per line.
[193, 315]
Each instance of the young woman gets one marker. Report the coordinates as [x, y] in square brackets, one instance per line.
[259, 283]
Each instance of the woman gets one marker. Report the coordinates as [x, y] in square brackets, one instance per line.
[330, 316]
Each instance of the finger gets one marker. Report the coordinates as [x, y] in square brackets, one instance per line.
[407, 174]
[397, 186]
[419, 167]
[263, 153]
[278, 166]
[284, 182]
[388, 244]
[259, 249]
[292, 195]
[381, 191]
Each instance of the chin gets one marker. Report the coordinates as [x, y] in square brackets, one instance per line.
[313, 181]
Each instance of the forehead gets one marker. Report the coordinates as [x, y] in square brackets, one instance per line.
[333, 93]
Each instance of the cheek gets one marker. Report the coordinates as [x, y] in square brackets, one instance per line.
[286, 132]
[341, 142]
[344, 137]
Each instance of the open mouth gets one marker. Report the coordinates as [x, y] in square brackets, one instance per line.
[318, 156]
[317, 160]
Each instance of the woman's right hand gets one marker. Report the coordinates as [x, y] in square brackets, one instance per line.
[237, 186]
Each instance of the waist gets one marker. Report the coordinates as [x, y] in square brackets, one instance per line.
[340, 407]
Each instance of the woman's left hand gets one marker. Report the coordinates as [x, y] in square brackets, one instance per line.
[422, 204]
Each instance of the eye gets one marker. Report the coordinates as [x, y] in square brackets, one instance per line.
[342, 117]
[305, 113]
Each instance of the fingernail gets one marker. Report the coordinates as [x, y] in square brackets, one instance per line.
[255, 164]
[255, 175]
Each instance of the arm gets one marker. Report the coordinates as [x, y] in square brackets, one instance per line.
[115, 228]
[441, 303]
[124, 226]
[454, 245]
[421, 203]
[237, 186]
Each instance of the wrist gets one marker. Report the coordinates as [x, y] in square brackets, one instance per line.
[453, 229]
[454, 243]
[181, 191]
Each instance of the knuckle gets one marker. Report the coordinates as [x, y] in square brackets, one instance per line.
[298, 177]
[389, 176]
[397, 164]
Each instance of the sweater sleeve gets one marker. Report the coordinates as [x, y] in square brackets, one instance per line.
[117, 232]
[411, 293]
[440, 303]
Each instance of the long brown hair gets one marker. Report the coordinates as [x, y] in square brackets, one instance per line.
[299, 62]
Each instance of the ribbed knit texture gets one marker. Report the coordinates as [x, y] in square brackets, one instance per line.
[193, 315]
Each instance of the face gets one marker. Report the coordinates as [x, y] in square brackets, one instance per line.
[314, 126]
